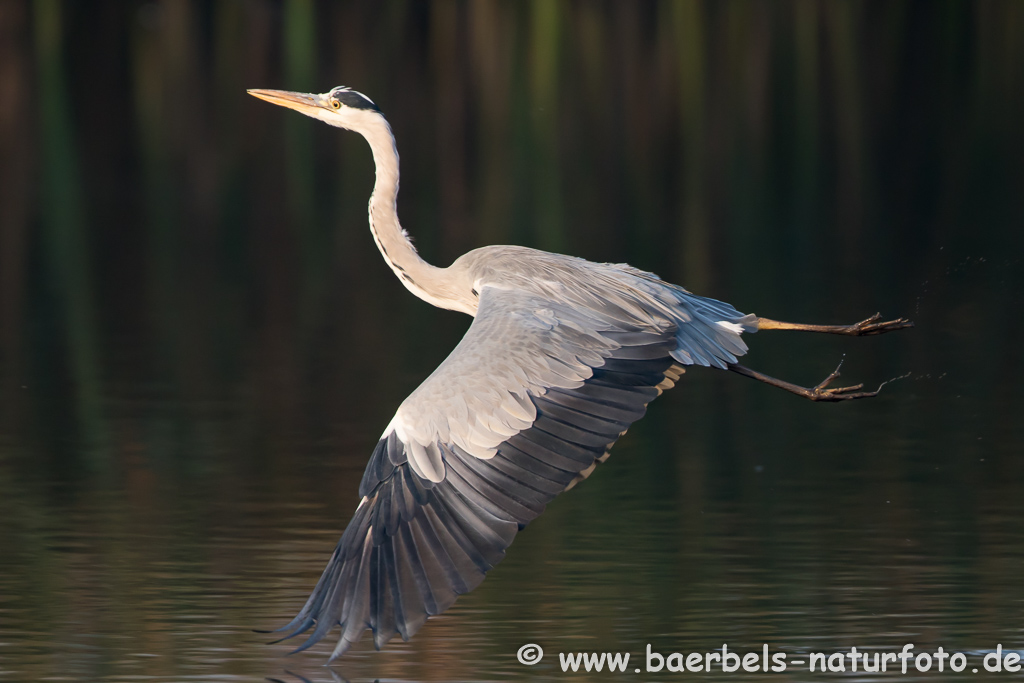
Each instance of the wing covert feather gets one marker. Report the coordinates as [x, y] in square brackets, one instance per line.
[530, 400]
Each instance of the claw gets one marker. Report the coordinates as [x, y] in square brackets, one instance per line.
[821, 393]
[828, 380]
[840, 394]
[871, 326]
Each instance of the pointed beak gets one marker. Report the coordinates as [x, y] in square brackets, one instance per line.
[299, 101]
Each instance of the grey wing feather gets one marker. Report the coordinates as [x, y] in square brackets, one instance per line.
[530, 400]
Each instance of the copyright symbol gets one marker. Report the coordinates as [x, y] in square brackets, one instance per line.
[530, 654]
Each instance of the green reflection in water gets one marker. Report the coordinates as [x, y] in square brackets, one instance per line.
[62, 213]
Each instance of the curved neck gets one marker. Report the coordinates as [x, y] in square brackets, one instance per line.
[422, 279]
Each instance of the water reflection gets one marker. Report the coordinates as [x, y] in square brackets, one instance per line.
[200, 344]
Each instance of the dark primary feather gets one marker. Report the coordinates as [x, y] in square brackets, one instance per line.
[414, 546]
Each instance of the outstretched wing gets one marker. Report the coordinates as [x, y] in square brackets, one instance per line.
[527, 404]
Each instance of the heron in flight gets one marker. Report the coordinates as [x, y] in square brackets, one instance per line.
[562, 357]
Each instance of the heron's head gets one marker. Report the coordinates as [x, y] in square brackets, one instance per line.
[341, 106]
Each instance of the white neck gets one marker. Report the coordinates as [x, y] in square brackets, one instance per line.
[428, 282]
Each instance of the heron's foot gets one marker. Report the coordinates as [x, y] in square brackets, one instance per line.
[821, 392]
[865, 328]
[871, 326]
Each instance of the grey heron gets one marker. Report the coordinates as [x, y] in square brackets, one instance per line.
[563, 355]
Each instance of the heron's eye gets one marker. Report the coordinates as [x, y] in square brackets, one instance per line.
[335, 104]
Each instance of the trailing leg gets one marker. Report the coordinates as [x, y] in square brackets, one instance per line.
[820, 392]
[864, 328]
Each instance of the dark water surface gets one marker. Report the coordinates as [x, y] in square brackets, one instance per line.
[200, 345]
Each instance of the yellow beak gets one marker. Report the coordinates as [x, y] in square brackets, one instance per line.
[299, 101]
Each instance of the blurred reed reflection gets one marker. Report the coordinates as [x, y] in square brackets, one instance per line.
[199, 343]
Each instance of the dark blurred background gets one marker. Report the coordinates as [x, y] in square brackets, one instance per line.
[199, 343]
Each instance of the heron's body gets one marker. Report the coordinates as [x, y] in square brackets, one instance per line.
[546, 320]
[562, 357]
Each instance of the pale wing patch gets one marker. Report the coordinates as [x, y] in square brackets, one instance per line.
[672, 376]
[731, 327]
[479, 396]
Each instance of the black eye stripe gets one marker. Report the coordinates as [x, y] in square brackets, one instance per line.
[351, 98]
